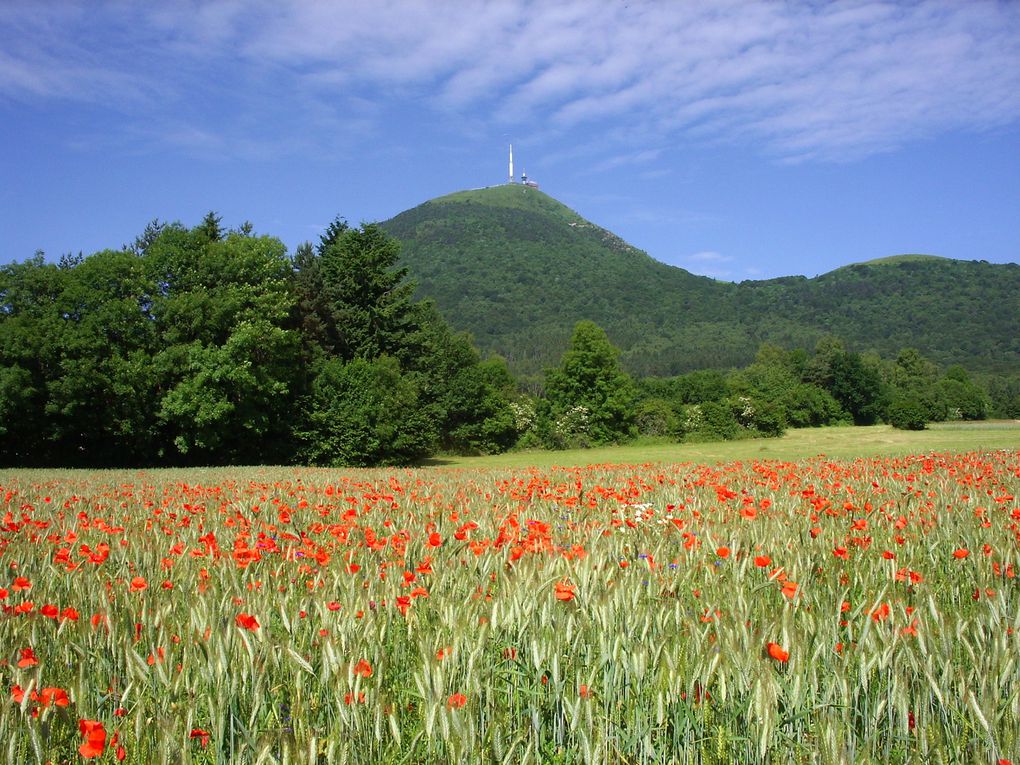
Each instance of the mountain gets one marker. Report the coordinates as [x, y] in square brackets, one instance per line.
[517, 269]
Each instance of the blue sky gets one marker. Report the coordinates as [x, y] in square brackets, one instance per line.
[735, 139]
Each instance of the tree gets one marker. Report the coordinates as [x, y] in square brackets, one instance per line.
[907, 412]
[355, 303]
[369, 308]
[102, 403]
[232, 402]
[590, 378]
[365, 412]
[211, 346]
[656, 417]
[819, 368]
[479, 416]
[810, 406]
[963, 398]
[312, 315]
[31, 341]
[858, 388]
[226, 360]
[914, 377]
[211, 227]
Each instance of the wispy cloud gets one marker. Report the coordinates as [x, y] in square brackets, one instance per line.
[40, 58]
[708, 256]
[633, 159]
[717, 265]
[800, 81]
[661, 216]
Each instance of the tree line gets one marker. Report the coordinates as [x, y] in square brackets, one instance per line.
[210, 346]
[206, 346]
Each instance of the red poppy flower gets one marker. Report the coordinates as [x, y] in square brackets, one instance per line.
[55, 696]
[95, 738]
[247, 621]
[18, 694]
[403, 604]
[762, 561]
[21, 583]
[961, 553]
[121, 752]
[28, 658]
[777, 652]
[363, 668]
[723, 552]
[456, 701]
[201, 735]
[138, 584]
[564, 591]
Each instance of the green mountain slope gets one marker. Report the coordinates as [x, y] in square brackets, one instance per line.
[517, 269]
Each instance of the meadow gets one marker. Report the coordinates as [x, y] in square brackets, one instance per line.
[747, 602]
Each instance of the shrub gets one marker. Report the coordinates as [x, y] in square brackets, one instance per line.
[908, 413]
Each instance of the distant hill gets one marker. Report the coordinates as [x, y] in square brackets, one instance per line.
[517, 269]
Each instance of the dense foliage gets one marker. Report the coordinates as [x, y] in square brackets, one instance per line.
[832, 385]
[201, 346]
[206, 346]
[517, 269]
[590, 398]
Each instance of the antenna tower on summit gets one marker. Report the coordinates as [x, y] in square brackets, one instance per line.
[525, 180]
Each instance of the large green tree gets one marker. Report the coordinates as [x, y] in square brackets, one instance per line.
[355, 303]
[31, 341]
[367, 297]
[366, 412]
[102, 403]
[226, 362]
[589, 392]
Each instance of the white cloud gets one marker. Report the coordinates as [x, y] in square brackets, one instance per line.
[800, 80]
[718, 266]
[708, 256]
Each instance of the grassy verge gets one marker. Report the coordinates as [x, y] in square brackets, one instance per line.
[795, 445]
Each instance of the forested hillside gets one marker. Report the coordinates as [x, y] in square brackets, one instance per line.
[211, 346]
[517, 269]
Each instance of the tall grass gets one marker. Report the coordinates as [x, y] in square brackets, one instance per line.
[574, 615]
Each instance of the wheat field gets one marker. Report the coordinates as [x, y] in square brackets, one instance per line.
[825, 610]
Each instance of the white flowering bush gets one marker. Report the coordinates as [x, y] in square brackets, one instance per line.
[524, 415]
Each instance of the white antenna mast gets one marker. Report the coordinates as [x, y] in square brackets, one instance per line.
[511, 163]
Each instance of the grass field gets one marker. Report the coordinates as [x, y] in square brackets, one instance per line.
[877, 440]
[745, 602]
